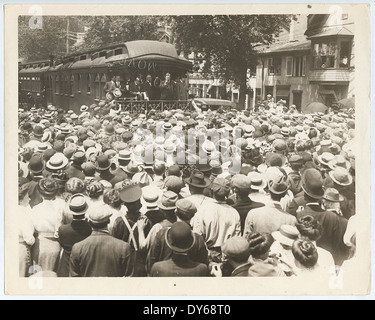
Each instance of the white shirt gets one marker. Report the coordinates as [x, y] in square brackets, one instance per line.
[216, 222]
[47, 215]
[25, 225]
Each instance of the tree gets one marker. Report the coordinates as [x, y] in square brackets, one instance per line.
[226, 42]
[50, 39]
[104, 30]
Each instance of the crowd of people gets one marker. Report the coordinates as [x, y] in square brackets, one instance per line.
[104, 193]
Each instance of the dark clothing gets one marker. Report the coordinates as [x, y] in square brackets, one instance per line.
[110, 177]
[101, 255]
[243, 206]
[75, 171]
[150, 90]
[294, 182]
[242, 271]
[179, 266]
[69, 235]
[298, 201]
[134, 88]
[182, 90]
[118, 172]
[334, 228]
[121, 232]
[30, 189]
[168, 91]
[160, 251]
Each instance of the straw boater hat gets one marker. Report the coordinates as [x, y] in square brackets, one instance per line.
[257, 181]
[339, 161]
[286, 235]
[325, 158]
[57, 161]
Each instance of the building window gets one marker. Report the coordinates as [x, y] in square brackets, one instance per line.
[97, 86]
[88, 84]
[71, 87]
[324, 55]
[289, 66]
[78, 83]
[67, 85]
[345, 52]
[103, 80]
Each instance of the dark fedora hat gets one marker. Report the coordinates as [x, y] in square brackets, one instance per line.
[312, 183]
[36, 164]
[197, 179]
[102, 162]
[179, 237]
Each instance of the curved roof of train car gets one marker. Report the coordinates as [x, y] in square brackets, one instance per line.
[136, 51]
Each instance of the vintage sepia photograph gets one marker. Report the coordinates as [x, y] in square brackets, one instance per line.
[192, 145]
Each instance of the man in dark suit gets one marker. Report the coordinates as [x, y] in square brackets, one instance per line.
[149, 88]
[69, 234]
[136, 89]
[100, 254]
[160, 251]
[168, 89]
[180, 239]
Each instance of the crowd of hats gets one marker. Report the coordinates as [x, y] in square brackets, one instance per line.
[248, 153]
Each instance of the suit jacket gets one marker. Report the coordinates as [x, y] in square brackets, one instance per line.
[242, 271]
[179, 266]
[109, 86]
[75, 171]
[168, 91]
[160, 251]
[101, 255]
[150, 90]
[334, 227]
[243, 207]
[72, 233]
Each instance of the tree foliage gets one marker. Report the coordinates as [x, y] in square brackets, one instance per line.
[226, 42]
[104, 30]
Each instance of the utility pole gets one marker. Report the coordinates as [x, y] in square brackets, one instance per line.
[67, 36]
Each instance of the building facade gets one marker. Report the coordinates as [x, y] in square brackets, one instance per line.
[314, 65]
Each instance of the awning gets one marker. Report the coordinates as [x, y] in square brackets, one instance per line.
[282, 92]
[328, 92]
[333, 32]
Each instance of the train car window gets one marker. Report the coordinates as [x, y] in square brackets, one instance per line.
[94, 55]
[97, 86]
[57, 84]
[118, 51]
[109, 53]
[83, 57]
[103, 80]
[67, 86]
[71, 87]
[88, 84]
[78, 83]
[102, 53]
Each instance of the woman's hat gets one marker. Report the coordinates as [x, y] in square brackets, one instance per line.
[57, 161]
[312, 183]
[75, 185]
[168, 200]
[339, 161]
[142, 179]
[102, 162]
[341, 176]
[179, 238]
[77, 204]
[48, 186]
[286, 235]
[331, 194]
[197, 179]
